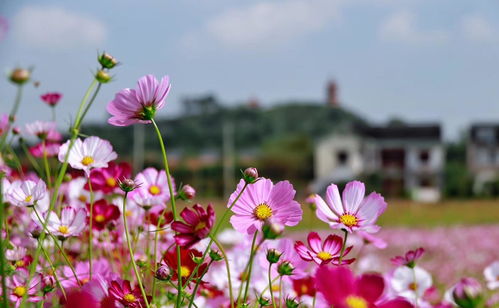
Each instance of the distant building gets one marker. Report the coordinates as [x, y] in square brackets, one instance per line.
[404, 158]
[483, 154]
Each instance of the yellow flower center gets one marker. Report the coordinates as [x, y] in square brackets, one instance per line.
[20, 291]
[111, 182]
[154, 190]
[63, 229]
[353, 301]
[263, 211]
[128, 213]
[84, 280]
[348, 220]
[324, 256]
[28, 198]
[304, 288]
[19, 263]
[87, 160]
[82, 198]
[275, 288]
[200, 226]
[100, 218]
[130, 298]
[185, 272]
[413, 286]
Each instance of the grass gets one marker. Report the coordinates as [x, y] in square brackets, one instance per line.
[404, 213]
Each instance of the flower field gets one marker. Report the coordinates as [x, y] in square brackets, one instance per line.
[79, 229]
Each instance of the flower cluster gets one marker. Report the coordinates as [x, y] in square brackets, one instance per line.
[80, 229]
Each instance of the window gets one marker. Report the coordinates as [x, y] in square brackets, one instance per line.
[342, 157]
[424, 156]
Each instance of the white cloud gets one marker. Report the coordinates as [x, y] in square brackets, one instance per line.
[402, 26]
[477, 28]
[55, 28]
[271, 23]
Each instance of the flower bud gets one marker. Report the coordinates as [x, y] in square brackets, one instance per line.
[48, 282]
[20, 76]
[127, 185]
[107, 61]
[16, 130]
[292, 303]
[197, 260]
[273, 255]
[102, 76]
[250, 175]
[285, 268]
[272, 230]
[263, 301]
[162, 273]
[215, 255]
[467, 293]
[187, 192]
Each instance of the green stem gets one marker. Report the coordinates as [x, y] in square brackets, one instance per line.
[2, 250]
[343, 247]
[270, 285]
[90, 231]
[250, 267]
[91, 100]
[52, 109]
[280, 292]
[175, 217]
[57, 280]
[46, 165]
[313, 301]
[17, 103]
[130, 250]
[195, 290]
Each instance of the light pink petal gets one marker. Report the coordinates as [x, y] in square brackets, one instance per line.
[146, 89]
[323, 211]
[333, 199]
[372, 206]
[353, 194]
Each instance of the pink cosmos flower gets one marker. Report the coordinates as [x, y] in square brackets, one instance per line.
[18, 257]
[323, 253]
[106, 179]
[49, 149]
[139, 105]
[369, 238]
[409, 259]
[72, 222]
[352, 211]
[26, 193]
[17, 287]
[44, 130]
[263, 201]
[93, 152]
[342, 289]
[51, 98]
[101, 270]
[153, 188]
[123, 293]
[197, 225]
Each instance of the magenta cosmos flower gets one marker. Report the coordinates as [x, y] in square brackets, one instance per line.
[323, 253]
[342, 289]
[51, 98]
[139, 105]
[107, 179]
[123, 293]
[263, 201]
[93, 152]
[409, 259]
[352, 211]
[197, 225]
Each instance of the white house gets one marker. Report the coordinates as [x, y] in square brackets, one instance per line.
[483, 154]
[406, 158]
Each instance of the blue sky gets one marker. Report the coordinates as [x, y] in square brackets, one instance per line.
[419, 60]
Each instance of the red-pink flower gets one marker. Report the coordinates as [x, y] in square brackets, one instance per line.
[106, 179]
[323, 253]
[409, 259]
[49, 149]
[103, 213]
[123, 293]
[197, 225]
[139, 105]
[51, 98]
[342, 289]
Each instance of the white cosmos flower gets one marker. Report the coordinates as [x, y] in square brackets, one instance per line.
[26, 193]
[93, 152]
[491, 274]
[72, 222]
[410, 284]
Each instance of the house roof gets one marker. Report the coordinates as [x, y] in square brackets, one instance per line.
[485, 133]
[430, 131]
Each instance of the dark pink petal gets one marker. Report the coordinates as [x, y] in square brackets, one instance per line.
[189, 216]
[186, 240]
[333, 244]
[370, 287]
[335, 284]
[314, 242]
[396, 303]
[181, 227]
[303, 251]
